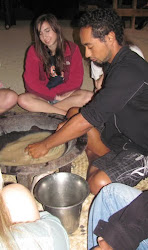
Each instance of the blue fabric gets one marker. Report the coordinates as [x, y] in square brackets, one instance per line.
[110, 199]
[46, 233]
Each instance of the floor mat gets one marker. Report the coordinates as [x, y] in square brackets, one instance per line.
[78, 240]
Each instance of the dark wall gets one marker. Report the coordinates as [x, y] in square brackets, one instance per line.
[62, 9]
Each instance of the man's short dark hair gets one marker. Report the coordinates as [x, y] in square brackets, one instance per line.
[102, 22]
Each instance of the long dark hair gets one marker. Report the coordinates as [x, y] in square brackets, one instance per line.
[42, 50]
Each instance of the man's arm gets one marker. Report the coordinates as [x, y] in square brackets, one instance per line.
[73, 128]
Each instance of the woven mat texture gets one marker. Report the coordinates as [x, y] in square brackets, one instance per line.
[78, 240]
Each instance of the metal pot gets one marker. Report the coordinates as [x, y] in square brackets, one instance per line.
[62, 194]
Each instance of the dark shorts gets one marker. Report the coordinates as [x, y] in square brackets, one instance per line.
[126, 167]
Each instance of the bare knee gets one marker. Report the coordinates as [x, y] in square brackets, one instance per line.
[24, 100]
[86, 96]
[8, 100]
[12, 98]
[21, 99]
[97, 180]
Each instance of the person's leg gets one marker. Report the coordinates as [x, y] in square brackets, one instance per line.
[58, 232]
[95, 145]
[34, 103]
[97, 179]
[8, 99]
[95, 148]
[110, 199]
[78, 99]
[127, 167]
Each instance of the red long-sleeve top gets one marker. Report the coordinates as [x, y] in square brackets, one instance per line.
[36, 79]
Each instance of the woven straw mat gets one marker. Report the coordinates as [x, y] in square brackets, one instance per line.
[78, 240]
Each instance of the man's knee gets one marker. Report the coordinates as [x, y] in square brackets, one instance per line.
[97, 179]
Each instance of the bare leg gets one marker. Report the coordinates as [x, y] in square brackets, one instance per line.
[8, 99]
[97, 179]
[95, 147]
[34, 103]
[78, 99]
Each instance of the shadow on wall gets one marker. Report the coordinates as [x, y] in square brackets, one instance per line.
[76, 39]
[87, 70]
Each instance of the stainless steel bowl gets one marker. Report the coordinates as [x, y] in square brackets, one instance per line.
[62, 194]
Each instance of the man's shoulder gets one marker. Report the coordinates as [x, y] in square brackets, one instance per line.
[129, 62]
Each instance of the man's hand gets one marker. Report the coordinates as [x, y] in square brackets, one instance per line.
[37, 150]
[73, 128]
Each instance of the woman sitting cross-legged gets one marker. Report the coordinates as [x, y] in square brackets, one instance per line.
[53, 71]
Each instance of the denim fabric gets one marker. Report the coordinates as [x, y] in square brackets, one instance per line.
[111, 198]
[53, 102]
